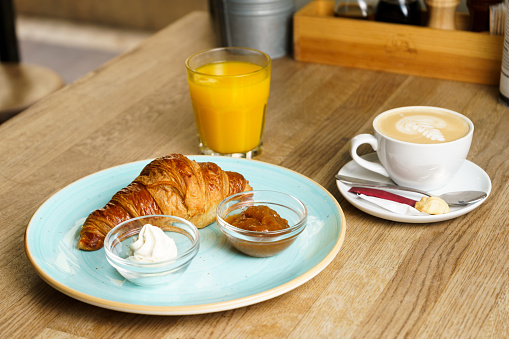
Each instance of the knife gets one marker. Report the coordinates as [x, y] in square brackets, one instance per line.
[460, 198]
[376, 184]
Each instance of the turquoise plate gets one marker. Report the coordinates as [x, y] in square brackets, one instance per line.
[219, 278]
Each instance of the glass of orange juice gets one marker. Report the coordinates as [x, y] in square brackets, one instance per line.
[229, 90]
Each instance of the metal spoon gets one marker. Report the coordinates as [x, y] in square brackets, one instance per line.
[460, 198]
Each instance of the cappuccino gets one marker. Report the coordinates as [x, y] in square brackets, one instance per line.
[418, 146]
[422, 125]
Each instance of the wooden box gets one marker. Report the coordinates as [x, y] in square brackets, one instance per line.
[454, 55]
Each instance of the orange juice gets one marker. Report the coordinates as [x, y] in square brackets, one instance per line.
[229, 101]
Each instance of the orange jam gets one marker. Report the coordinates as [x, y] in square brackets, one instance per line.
[258, 218]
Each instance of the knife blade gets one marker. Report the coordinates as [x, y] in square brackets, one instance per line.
[376, 184]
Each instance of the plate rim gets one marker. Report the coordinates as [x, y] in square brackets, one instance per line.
[199, 308]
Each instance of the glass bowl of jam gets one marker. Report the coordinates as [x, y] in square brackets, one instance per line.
[261, 223]
[152, 250]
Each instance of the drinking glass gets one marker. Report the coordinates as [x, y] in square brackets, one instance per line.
[229, 90]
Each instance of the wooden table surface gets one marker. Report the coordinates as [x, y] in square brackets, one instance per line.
[448, 279]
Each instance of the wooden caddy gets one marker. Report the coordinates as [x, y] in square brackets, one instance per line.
[460, 55]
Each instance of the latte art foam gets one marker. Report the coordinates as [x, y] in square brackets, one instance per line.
[428, 127]
[423, 126]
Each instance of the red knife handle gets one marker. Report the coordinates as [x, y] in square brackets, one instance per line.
[383, 195]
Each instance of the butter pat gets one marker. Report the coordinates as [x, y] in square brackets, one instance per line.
[432, 205]
[152, 245]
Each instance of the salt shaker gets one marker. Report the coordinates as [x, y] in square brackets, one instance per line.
[442, 13]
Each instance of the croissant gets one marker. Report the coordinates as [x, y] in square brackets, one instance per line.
[170, 185]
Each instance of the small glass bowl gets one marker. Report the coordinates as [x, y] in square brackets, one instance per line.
[262, 244]
[183, 232]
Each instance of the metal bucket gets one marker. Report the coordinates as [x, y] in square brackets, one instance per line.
[265, 25]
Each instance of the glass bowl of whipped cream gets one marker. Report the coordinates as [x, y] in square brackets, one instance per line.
[152, 250]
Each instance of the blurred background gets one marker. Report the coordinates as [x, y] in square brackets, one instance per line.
[75, 37]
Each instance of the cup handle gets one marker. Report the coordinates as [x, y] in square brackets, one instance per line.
[366, 139]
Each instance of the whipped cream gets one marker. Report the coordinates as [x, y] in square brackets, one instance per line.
[152, 245]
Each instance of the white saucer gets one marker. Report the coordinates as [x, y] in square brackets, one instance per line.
[469, 177]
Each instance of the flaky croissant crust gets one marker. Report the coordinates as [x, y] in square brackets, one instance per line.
[170, 185]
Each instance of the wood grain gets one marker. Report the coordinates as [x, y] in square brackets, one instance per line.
[443, 280]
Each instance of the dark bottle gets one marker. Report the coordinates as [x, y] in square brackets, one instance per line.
[480, 14]
[399, 12]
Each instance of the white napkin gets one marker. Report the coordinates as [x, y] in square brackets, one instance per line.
[392, 206]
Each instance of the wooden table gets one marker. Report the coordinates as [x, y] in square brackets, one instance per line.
[448, 279]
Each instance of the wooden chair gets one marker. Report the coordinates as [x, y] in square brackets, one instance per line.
[21, 85]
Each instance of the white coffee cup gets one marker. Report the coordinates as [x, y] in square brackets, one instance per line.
[418, 146]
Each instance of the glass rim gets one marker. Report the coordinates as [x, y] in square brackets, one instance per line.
[264, 67]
